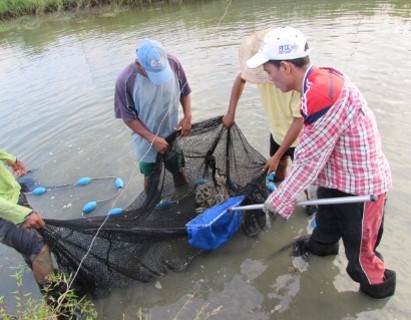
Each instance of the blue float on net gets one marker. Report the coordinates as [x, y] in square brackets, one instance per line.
[90, 206]
[271, 177]
[39, 191]
[313, 223]
[115, 211]
[269, 182]
[83, 181]
[199, 182]
[119, 183]
[271, 186]
[163, 204]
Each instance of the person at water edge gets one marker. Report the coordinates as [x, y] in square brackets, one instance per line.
[19, 222]
[340, 151]
[282, 109]
[147, 97]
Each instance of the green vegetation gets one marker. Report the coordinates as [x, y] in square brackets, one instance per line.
[66, 304]
[10, 9]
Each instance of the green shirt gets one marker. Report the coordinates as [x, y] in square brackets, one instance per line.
[9, 193]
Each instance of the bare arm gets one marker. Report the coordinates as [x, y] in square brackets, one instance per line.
[236, 92]
[185, 123]
[291, 135]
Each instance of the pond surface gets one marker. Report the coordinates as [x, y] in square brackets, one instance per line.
[57, 80]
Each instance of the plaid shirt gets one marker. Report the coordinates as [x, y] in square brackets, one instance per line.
[340, 149]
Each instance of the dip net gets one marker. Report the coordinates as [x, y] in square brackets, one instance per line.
[150, 238]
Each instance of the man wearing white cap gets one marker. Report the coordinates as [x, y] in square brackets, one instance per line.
[282, 110]
[340, 151]
[147, 98]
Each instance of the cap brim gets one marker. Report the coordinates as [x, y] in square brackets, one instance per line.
[248, 48]
[160, 77]
[257, 60]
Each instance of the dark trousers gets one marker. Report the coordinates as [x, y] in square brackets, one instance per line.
[28, 242]
[274, 146]
[360, 226]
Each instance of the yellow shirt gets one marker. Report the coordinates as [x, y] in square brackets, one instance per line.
[9, 193]
[281, 109]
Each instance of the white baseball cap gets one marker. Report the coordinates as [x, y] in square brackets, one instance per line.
[284, 43]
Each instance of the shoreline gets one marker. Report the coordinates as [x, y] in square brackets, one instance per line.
[36, 9]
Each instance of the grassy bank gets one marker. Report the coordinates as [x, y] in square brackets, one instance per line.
[11, 9]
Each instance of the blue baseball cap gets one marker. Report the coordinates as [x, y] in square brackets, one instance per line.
[153, 58]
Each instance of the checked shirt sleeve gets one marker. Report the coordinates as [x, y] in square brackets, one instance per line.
[315, 146]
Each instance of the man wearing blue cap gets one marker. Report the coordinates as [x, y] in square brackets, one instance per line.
[147, 97]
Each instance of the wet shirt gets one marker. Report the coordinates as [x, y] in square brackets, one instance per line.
[340, 146]
[9, 193]
[155, 105]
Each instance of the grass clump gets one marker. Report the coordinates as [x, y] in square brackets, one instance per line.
[65, 306]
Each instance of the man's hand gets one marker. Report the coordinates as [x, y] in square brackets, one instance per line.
[18, 167]
[272, 164]
[185, 126]
[161, 145]
[268, 208]
[33, 220]
[228, 120]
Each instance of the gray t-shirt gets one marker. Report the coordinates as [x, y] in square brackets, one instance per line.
[136, 97]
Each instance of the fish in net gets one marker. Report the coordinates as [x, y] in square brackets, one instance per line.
[150, 238]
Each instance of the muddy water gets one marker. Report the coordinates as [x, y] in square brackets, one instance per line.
[56, 113]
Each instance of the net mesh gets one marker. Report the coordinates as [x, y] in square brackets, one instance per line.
[150, 238]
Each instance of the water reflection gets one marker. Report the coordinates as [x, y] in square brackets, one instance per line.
[56, 109]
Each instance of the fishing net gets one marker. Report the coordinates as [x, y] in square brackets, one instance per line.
[150, 238]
